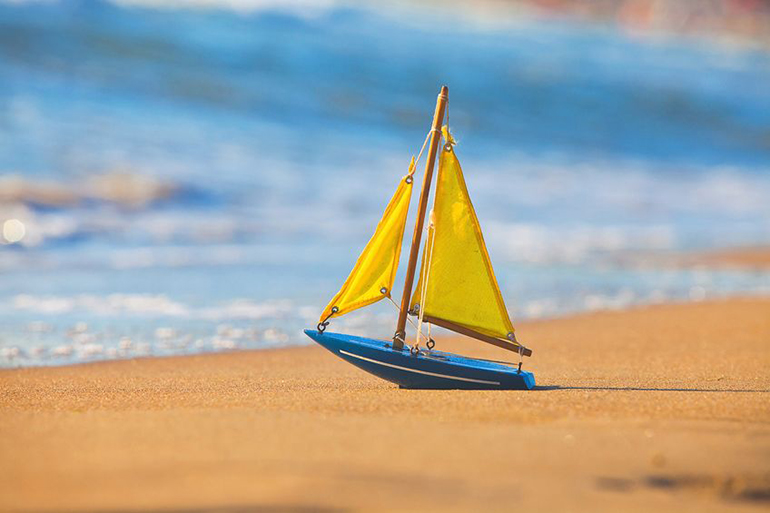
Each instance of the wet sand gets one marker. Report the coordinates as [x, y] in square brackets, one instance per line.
[662, 408]
[744, 258]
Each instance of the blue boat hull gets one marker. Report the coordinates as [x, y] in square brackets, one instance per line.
[428, 370]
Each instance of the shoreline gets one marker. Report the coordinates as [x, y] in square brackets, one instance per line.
[634, 410]
[747, 266]
[756, 258]
[737, 258]
[445, 335]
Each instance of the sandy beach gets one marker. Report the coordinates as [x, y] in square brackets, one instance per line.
[660, 408]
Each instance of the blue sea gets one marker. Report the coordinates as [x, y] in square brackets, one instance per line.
[184, 180]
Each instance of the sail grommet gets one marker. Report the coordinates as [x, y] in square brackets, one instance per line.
[408, 179]
[384, 290]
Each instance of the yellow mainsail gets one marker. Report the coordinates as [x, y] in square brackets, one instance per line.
[462, 292]
[372, 277]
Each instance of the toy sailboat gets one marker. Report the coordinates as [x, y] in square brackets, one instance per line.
[456, 287]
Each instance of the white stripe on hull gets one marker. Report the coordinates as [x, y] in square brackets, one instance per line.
[416, 371]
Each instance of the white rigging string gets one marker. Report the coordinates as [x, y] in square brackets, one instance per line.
[429, 258]
[426, 276]
[424, 144]
[399, 309]
[447, 116]
[411, 173]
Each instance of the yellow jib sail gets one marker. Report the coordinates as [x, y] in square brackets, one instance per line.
[461, 285]
[375, 269]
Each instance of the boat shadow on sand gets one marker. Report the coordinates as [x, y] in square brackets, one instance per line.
[546, 388]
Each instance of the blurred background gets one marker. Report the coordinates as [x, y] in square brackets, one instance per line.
[195, 176]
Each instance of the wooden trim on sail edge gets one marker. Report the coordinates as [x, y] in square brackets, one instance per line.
[475, 334]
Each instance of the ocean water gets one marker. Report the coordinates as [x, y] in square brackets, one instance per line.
[192, 180]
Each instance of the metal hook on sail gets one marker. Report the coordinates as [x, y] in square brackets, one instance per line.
[512, 338]
[323, 324]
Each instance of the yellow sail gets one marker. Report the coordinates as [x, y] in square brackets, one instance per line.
[372, 277]
[462, 292]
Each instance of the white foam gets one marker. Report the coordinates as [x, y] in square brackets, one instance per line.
[223, 343]
[110, 305]
[90, 350]
[304, 8]
[62, 351]
[10, 353]
[248, 309]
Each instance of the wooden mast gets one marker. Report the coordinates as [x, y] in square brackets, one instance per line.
[435, 137]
